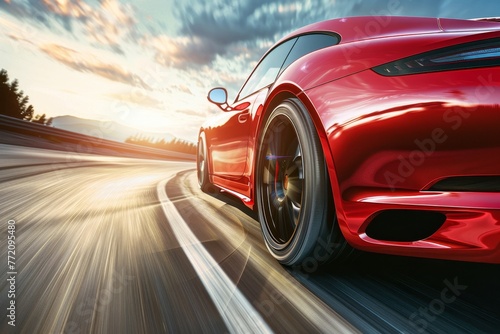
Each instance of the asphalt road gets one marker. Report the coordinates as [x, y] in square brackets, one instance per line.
[115, 245]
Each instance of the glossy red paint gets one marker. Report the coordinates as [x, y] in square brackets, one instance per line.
[386, 140]
[406, 133]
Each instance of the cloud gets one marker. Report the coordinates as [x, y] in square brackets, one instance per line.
[88, 63]
[464, 9]
[218, 29]
[19, 38]
[231, 22]
[112, 25]
[107, 24]
[230, 29]
[14, 9]
[208, 29]
[224, 28]
[183, 89]
[65, 8]
[181, 52]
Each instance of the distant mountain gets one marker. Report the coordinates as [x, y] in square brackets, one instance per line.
[104, 129]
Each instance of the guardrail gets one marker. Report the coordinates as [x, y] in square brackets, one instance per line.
[75, 142]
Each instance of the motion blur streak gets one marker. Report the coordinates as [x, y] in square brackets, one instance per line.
[237, 312]
[86, 241]
[285, 289]
[95, 253]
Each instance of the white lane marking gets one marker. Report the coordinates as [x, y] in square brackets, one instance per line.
[236, 311]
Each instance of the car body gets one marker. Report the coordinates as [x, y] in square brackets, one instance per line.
[404, 115]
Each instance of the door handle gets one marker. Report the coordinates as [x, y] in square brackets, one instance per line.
[242, 118]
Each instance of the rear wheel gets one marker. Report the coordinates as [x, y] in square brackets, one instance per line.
[201, 163]
[293, 191]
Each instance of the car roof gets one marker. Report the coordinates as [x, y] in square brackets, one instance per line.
[359, 28]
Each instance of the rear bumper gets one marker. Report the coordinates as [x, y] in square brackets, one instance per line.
[470, 232]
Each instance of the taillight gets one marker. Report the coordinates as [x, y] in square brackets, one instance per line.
[470, 55]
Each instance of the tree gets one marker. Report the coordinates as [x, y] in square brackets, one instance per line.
[42, 119]
[176, 145]
[14, 87]
[8, 97]
[26, 111]
[13, 102]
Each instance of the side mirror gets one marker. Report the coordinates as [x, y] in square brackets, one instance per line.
[218, 96]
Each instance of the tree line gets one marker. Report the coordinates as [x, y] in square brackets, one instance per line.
[15, 104]
[176, 145]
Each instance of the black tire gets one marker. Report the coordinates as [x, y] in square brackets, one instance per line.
[201, 164]
[293, 191]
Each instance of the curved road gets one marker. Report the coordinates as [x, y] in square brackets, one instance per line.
[115, 245]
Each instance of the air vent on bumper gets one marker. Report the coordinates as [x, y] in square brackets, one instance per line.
[404, 225]
[468, 183]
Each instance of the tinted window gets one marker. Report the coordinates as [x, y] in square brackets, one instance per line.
[266, 72]
[307, 44]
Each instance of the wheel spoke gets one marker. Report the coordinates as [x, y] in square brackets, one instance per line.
[201, 170]
[275, 202]
[295, 179]
[294, 192]
[295, 213]
[285, 221]
[292, 168]
[276, 143]
[291, 222]
[281, 224]
[268, 174]
[298, 153]
[282, 179]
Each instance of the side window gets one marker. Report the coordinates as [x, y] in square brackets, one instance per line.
[267, 71]
[307, 44]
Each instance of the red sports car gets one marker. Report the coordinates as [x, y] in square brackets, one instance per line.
[373, 133]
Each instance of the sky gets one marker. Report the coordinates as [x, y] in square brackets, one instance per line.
[150, 63]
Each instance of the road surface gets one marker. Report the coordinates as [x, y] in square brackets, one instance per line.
[115, 245]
